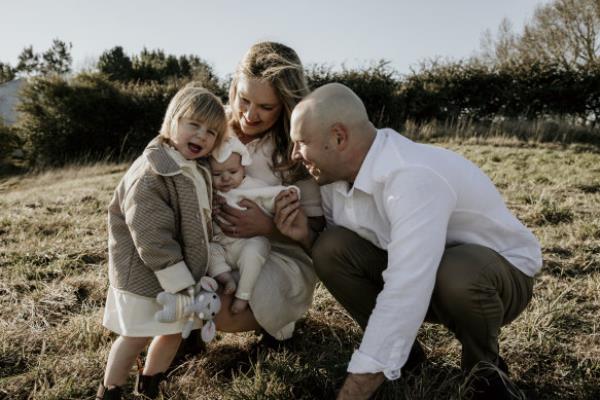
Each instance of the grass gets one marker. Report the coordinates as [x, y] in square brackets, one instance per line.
[53, 281]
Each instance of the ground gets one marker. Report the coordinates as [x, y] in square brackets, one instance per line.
[53, 281]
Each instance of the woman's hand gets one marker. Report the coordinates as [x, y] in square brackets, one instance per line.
[244, 223]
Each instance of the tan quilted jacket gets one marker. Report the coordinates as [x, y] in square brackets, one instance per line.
[158, 235]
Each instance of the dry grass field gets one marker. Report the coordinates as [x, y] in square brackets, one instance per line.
[53, 281]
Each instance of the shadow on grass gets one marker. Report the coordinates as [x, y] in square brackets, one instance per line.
[311, 365]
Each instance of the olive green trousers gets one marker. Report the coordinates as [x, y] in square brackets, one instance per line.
[476, 292]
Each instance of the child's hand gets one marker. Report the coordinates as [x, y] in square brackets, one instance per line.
[238, 305]
[226, 279]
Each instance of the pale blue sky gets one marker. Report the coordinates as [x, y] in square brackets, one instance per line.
[353, 32]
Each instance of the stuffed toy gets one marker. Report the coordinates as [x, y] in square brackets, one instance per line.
[200, 302]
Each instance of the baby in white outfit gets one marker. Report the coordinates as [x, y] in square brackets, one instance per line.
[247, 255]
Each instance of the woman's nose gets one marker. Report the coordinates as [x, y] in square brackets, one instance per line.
[251, 113]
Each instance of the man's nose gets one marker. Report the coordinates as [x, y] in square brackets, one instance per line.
[295, 153]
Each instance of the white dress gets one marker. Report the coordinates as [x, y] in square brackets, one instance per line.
[284, 289]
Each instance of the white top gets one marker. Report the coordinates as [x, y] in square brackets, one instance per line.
[256, 190]
[412, 200]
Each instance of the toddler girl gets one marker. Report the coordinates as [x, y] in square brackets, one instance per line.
[158, 238]
[245, 255]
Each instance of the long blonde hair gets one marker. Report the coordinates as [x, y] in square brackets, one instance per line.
[195, 102]
[279, 65]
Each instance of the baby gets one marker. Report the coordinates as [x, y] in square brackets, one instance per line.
[247, 255]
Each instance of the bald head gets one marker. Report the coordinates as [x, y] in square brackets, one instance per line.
[331, 133]
[330, 104]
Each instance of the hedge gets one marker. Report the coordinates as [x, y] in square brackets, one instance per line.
[92, 115]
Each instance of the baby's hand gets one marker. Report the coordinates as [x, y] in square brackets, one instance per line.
[238, 305]
[226, 279]
[292, 192]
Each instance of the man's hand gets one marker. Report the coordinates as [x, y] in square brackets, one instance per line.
[290, 218]
[360, 386]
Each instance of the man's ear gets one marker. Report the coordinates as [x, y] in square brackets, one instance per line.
[339, 132]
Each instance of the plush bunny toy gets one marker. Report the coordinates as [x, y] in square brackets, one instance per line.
[201, 301]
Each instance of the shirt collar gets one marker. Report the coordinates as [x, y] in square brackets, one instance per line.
[364, 179]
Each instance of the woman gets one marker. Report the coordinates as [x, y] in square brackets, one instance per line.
[267, 85]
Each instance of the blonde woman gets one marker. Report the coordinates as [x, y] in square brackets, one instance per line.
[267, 84]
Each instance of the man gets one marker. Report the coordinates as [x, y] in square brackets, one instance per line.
[414, 233]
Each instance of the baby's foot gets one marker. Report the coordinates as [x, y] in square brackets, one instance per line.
[226, 279]
[238, 306]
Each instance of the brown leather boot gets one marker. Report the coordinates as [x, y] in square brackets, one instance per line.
[148, 386]
[108, 394]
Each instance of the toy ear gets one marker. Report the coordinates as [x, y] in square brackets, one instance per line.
[209, 330]
[209, 284]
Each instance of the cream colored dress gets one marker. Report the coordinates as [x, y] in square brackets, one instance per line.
[284, 289]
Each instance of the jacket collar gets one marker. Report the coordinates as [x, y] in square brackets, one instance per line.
[159, 159]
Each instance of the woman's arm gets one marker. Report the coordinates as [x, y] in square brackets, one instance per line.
[255, 222]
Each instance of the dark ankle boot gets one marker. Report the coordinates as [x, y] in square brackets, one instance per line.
[148, 386]
[491, 382]
[108, 394]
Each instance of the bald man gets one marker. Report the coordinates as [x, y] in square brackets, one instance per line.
[414, 233]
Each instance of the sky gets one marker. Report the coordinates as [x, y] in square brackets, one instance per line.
[353, 33]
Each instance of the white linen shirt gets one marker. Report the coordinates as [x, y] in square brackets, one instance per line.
[413, 200]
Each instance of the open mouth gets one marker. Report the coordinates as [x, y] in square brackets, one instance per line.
[314, 171]
[194, 148]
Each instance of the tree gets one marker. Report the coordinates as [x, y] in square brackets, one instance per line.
[7, 73]
[565, 32]
[503, 48]
[29, 61]
[116, 64]
[57, 59]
